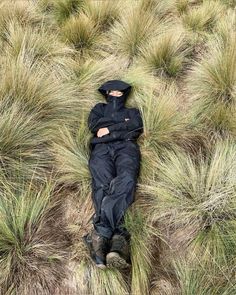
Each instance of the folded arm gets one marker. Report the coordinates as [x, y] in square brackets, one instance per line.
[96, 120]
[134, 123]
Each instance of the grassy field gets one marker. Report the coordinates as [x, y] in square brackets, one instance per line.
[180, 58]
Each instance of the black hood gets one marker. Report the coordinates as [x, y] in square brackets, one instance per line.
[115, 85]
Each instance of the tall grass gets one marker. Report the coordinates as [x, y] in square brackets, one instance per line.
[204, 17]
[103, 13]
[182, 6]
[197, 279]
[207, 187]
[141, 238]
[212, 86]
[197, 201]
[23, 142]
[165, 125]
[200, 21]
[166, 54]
[179, 57]
[23, 12]
[63, 9]
[81, 33]
[29, 250]
[71, 153]
[88, 75]
[160, 9]
[36, 44]
[133, 30]
[36, 88]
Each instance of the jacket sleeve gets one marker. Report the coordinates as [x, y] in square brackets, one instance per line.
[134, 123]
[96, 120]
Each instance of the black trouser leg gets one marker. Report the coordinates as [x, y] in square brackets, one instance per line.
[122, 188]
[114, 168]
[102, 170]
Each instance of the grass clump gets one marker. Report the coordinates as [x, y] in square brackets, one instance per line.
[212, 86]
[29, 248]
[166, 54]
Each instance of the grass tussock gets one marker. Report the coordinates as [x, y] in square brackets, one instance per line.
[103, 13]
[203, 17]
[225, 28]
[71, 156]
[197, 198]
[23, 12]
[133, 30]
[89, 74]
[141, 260]
[212, 85]
[197, 201]
[30, 249]
[200, 21]
[197, 279]
[214, 76]
[80, 32]
[182, 6]
[160, 9]
[35, 88]
[23, 143]
[179, 56]
[165, 127]
[94, 281]
[64, 9]
[38, 45]
[166, 54]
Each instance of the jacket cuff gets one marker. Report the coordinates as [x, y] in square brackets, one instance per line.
[111, 128]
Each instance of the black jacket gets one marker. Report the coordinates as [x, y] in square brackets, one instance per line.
[112, 115]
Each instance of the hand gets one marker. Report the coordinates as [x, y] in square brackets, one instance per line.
[126, 119]
[102, 131]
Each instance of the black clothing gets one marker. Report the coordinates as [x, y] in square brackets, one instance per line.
[114, 161]
[112, 115]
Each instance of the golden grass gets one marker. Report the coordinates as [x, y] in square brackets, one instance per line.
[212, 86]
[29, 250]
[179, 56]
[38, 45]
[63, 9]
[133, 30]
[71, 155]
[103, 13]
[166, 54]
[141, 260]
[203, 17]
[80, 32]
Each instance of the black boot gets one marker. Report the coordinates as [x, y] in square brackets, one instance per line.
[98, 247]
[119, 254]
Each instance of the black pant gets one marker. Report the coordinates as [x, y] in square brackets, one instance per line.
[114, 167]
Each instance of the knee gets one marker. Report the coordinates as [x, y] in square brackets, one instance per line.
[131, 178]
[126, 178]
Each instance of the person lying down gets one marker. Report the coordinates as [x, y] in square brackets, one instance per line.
[114, 164]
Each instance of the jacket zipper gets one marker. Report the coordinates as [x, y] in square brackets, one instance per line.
[114, 103]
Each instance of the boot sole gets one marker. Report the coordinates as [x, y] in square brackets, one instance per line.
[113, 259]
[91, 252]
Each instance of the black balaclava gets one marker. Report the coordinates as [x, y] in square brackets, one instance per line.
[115, 103]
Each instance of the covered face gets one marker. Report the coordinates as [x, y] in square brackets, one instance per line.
[118, 85]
